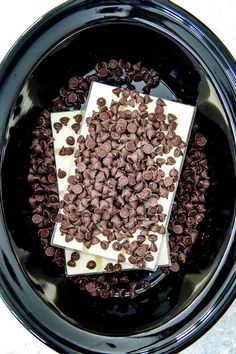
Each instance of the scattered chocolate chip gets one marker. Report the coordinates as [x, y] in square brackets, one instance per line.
[104, 245]
[81, 167]
[90, 287]
[146, 284]
[91, 265]
[49, 251]
[153, 201]
[109, 267]
[121, 258]
[200, 140]
[174, 267]
[64, 120]
[177, 152]
[71, 263]
[168, 181]
[61, 173]
[123, 181]
[117, 267]
[70, 140]
[78, 118]
[101, 102]
[37, 219]
[178, 229]
[57, 126]
[75, 256]
[76, 127]
[132, 128]
[44, 233]
[148, 149]
[170, 160]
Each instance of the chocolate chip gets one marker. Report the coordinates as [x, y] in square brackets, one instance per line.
[149, 258]
[200, 140]
[170, 160]
[73, 82]
[153, 238]
[62, 151]
[75, 256]
[78, 118]
[152, 201]
[130, 146]
[123, 181]
[104, 245]
[148, 175]
[116, 246]
[132, 260]
[141, 264]
[124, 212]
[145, 194]
[173, 172]
[76, 127]
[141, 251]
[109, 267]
[153, 247]
[103, 72]
[132, 128]
[37, 219]
[70, 140]
[64, 120]
[57, 126]
[174, 267]
[61, 173]
[168, 181]
[91, 265]
[178, 229]
[101, 102]
[148, 149]
[71, 263]
[117, 267]
[44, 233]
[90, 287]
[81, 167]
[177, 152]
[69, 151]
[121, 258]
[49, 251]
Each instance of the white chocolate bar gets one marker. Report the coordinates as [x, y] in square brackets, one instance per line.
[59, 139]
[65, 163]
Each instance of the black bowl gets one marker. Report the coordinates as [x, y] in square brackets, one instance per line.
[194, 67]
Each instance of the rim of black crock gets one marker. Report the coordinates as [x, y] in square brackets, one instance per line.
[13, 284]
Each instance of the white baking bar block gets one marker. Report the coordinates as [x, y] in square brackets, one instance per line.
[65, 163]
[80, 267]
[164, 255]
[163, 260]
[185, 115]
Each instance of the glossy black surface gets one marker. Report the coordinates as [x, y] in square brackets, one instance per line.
[196, 68]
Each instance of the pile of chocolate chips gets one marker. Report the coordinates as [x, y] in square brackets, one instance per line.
[120, 71]
[189, 207]
[119, 178]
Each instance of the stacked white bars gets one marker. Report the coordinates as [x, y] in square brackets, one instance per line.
[64, 164]
[100, 256]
